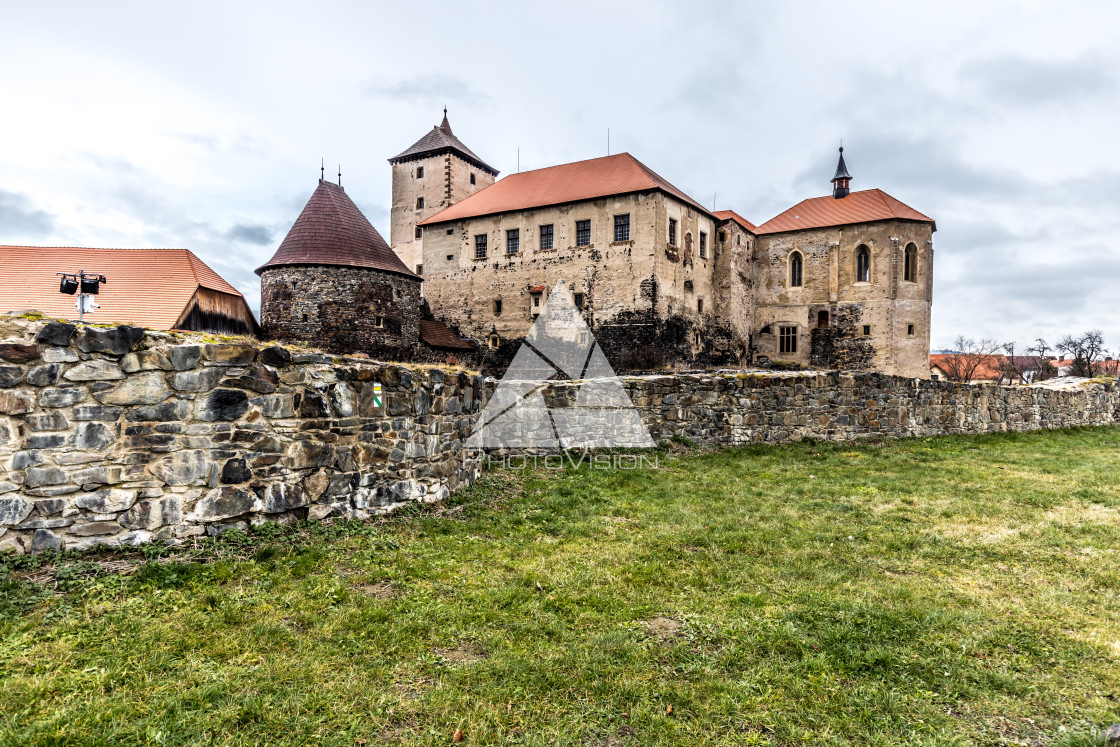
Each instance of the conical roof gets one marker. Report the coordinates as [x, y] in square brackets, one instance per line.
[331, 230]
[841, 168]
[442, 140]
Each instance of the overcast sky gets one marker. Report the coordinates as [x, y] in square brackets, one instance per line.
[140, 125]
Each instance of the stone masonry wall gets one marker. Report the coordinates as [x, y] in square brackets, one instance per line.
[121, 436]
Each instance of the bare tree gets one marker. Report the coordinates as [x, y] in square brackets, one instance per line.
[1086, 350]
[1009, 366]
[1044, 368]
[968, 357]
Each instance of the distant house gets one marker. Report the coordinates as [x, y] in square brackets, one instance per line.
[155, 288]
[984, 369]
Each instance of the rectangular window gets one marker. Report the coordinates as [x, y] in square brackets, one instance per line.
[419, 232]
[723, 235]
[672, 232]
[419, 203]
[700, 305]
[419, 172]
[622, 227]
[584, 338]
[450, 257]
[546, 237]
[934, 377]
[497, 306]
[513, 241]
[419, 269]
[450, 231]
[536, 300]
[578, 297]
[583, 233]
[787, 339]
[910, 330]
[703, 245]
[867, 330]
[472, 178]
[480, 246]
[379, 321]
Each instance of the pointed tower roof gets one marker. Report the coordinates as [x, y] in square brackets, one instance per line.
[442, 140]
[841, 168]
[331, 230]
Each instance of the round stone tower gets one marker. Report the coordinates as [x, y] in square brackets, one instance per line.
[334, 283]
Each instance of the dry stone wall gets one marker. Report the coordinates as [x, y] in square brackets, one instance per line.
[117, 435]
[121, 436]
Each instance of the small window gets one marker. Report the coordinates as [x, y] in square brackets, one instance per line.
[867, 330]
[419, 203]
[480, 246]
[536, 300]
[450, 257]
[583, 233]
[472, 178]
[703, 245]
[787, 339]
[419, 172]
[795, 270]
[419, 269]
[497, 306]
[672, 232]
[722, 236]
[910, 272]
[578, 298]
[419, 232]
[450, 231]
[822, 319]
[700, 305]
[909, 330]
[622, 227]
[863, 265]
[546, 237]
[513, 241]
[379, 322]
[584, 339]
[495, 341]
[934, 377]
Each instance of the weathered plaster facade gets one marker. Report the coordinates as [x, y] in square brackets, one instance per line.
[646, 300]
[841, 321]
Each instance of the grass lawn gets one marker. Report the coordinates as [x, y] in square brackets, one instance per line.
[960, 590]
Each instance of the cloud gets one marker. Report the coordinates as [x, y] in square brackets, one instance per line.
[437, 89]
[250, 233]
[1019, 81]
[20, 217]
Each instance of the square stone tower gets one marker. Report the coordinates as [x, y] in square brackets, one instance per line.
[434, 174]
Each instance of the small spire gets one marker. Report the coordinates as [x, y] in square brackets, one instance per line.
[340, 174]
[322, 169]
[841, 179]
[445, 125]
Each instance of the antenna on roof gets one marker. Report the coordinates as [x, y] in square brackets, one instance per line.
[340, 174]
[608, 141]
[519, 159]
[322, 169]
[714, 200]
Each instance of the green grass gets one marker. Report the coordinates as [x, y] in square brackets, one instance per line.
[925, 591]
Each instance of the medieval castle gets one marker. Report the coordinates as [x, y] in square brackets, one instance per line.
[843, 281]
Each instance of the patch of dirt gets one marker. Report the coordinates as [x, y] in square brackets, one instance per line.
[380, 589]
[465, 653]
[412, 689]
[664, 629]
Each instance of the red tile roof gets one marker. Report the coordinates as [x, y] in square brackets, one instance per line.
[987, 370]
[146, 287]
[439, 335]
[732, 215]
[556, 185]
[858, 207]
[331, 230]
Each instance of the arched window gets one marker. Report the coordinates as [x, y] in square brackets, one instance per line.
[911, 270]
[795, 270]
[863, 265]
